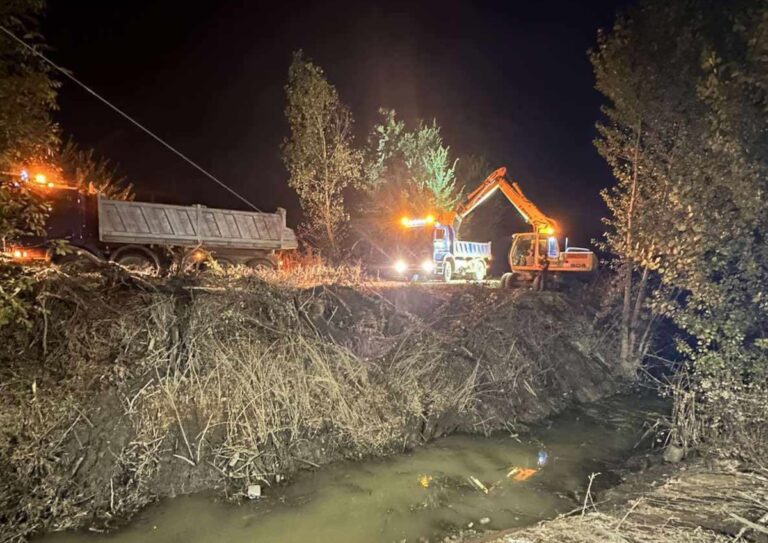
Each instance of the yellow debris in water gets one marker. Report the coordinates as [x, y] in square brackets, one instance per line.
[424, 481]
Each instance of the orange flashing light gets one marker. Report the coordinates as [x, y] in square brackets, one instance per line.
[548, 230]
[40, 179]
[414, 223]
[24, 254]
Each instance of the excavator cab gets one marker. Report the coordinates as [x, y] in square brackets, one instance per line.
[529, 249]
[523, 251]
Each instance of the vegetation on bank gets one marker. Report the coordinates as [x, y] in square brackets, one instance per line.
[123, 389]
[684, 132]
[31, 145]
[702, 504]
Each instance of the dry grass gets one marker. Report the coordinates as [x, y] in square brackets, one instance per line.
[299, 270]
[701, 504]
[127, 389]
[311, 276]
[728, 418]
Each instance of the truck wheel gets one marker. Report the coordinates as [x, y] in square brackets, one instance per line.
[136, 262]
[447, 271]
[261, 263]
[506, 280]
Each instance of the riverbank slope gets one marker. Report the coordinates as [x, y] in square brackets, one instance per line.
[127, 389]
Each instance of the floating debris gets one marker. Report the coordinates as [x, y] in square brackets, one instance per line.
[521, 474]
[478, 485]
[254, 492]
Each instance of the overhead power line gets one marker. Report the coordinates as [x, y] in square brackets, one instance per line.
[127, 117]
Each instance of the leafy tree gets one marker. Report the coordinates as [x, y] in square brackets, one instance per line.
[410, 171]
[684, 133]
[319, 154]
[92, 174]
[28, 138]
[27, 134]
[637, 132]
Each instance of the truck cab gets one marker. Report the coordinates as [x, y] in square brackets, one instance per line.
[436, 252]
[72, 219]
[442, 241]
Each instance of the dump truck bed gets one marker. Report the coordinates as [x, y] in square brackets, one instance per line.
[472, 249]
[162, 224]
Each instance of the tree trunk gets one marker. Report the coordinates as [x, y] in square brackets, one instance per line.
[645, 339]
[626, 316]
[634, 322]
[628, 360]
[331, 238]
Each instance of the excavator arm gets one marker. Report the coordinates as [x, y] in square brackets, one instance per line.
[498, 181]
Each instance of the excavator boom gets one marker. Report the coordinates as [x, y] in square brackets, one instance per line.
[533, 252]
[540, 222]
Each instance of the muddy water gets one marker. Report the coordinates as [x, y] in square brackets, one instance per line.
[386, 500]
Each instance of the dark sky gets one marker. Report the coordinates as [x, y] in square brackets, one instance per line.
[510, 80]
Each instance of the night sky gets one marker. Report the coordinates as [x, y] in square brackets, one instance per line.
[509, 80]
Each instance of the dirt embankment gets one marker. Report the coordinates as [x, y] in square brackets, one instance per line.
[125, 391]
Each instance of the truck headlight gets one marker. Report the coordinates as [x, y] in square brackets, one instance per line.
[428, 266]
[401, 266]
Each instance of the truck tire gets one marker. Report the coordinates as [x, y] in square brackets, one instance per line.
[506, 280]
[448, 271]
[135, 261]
[261, 263]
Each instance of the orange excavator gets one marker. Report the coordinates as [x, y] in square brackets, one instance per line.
[532, 253]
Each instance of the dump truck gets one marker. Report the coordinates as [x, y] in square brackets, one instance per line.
[419, 249]
[138, 234]
[440, 253]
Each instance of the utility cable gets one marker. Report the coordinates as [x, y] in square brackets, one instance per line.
[127, 117]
